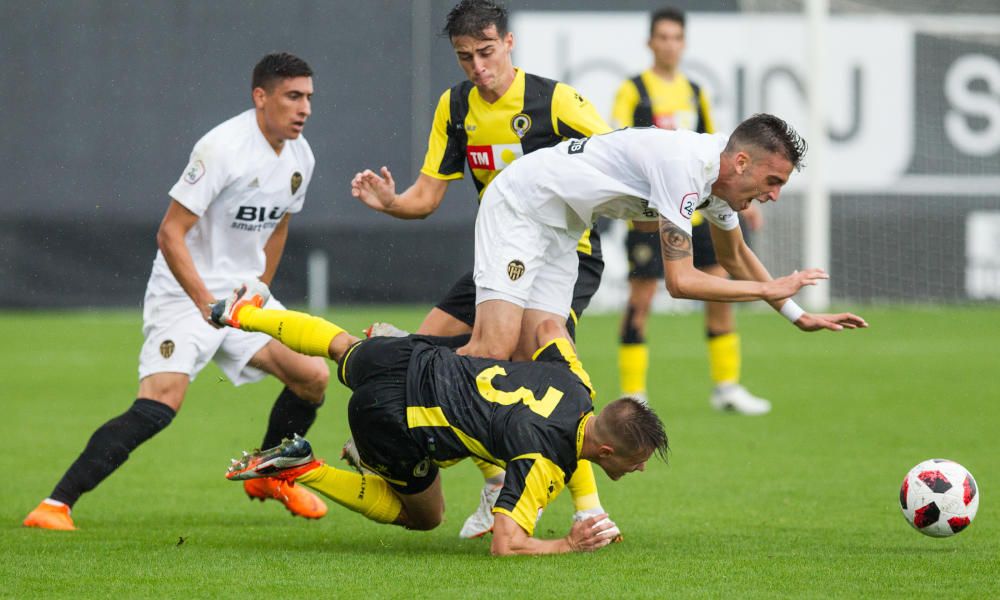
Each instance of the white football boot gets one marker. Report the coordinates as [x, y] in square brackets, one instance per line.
[735, 398]
[480, 522]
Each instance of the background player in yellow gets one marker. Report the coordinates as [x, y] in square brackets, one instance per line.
[417, 405]
[496, 115]
[664, 97]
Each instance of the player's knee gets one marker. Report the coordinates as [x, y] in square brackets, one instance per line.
[314, 381]
[425, 521]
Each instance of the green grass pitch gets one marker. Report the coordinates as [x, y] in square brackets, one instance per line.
[800, 503]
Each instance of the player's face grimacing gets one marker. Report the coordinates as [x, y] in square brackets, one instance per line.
[760, 177]
[486, 60]
[618, 465]
[285, 108]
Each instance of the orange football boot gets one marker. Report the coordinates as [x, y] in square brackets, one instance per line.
[297, 499]
[48, 516]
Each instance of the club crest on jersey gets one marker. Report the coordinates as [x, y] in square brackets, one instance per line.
[520, 124]
[194, 172]
[167, 349]
[515, 269]
[296, 181]
[688, 205]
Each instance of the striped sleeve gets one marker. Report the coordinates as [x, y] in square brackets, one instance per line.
[532, 481]
[444, 159]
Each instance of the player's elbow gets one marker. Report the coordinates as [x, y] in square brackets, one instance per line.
[166, 237]
[677, 286]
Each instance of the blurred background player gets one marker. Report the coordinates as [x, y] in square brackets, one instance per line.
[412, 394]
[664, 97]
[227, 222]
[497, 115]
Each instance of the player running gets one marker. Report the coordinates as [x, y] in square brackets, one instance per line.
[416, 405]
[227, 222]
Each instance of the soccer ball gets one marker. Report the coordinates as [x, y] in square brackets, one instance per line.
[939, 497]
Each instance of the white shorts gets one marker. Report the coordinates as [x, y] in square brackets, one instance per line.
[178, 340]
[521, 260]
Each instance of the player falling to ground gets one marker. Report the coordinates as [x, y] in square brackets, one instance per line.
[227, 222]
[496, 115]
[416, 405]
[664, 97]
[534, 211]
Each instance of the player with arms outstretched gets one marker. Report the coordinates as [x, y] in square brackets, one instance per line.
[664, 97]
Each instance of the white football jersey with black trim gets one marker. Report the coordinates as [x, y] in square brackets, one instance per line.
[240, 190]
[634, 173]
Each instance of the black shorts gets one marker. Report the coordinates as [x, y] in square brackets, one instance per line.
[375, 369]
[646, 262]
[460, 302]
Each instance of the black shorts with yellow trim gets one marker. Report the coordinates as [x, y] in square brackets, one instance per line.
[376, 370]
[460, 302]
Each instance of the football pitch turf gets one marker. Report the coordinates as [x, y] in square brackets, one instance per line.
[799, 503]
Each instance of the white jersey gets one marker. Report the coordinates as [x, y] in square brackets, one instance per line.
[631, 173]
[240, 190]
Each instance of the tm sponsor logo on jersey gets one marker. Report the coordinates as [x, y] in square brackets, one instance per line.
[257, 218]
[493, 158]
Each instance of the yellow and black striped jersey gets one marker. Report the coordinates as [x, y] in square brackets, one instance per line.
[527, 417]
[533, 113]
[648, 99]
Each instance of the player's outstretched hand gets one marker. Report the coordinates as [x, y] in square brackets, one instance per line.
[833, 322]
[592, 534]
[787, 286]
[375, 191]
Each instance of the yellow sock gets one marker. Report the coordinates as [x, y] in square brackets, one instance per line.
[633, 363]
[583, 486]
[369, 495]
[490, 470]
[301, 332]
[724, 358]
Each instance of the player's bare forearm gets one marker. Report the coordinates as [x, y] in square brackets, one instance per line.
[274, 249]
[378, 192]
[420, 200]
[170, 239]
[685, 281]
[510, 539]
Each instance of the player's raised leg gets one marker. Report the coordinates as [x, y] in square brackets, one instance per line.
[301, 332]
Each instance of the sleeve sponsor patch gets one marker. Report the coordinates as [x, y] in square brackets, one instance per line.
[194, 172]
[688, 205]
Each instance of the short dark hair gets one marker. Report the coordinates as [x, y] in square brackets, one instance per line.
[635, 427]
[771, 134]
[667, 13]
[472, 17]
[277, 66]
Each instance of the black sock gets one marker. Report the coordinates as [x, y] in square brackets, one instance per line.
[110, 446]
[290, 415]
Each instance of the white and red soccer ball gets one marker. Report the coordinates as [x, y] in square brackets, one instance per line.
[939, 497]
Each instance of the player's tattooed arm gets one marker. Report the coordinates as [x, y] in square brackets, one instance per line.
[675, 243]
